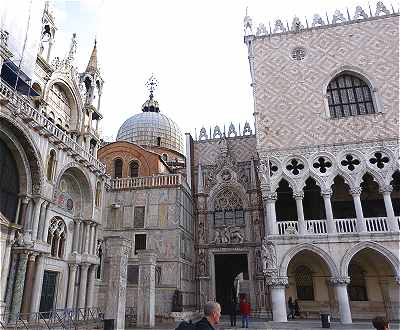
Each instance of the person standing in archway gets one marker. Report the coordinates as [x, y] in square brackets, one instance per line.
[232, 310]
[245, 312]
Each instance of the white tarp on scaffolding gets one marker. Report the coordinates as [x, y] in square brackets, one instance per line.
[22, 20]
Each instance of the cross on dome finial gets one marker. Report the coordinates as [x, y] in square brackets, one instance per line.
[152, 84]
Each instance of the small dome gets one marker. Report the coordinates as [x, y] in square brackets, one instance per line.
[152, 129]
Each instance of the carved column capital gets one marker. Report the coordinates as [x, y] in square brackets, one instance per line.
[277, 281]
[73, 267]
[355, 191]
[387, 189]
[327, 193]
[298, 195]
[270, 196]
[340, 280]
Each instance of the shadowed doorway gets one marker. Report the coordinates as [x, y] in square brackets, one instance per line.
[227, 267]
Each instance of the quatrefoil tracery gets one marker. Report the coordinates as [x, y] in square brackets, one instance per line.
[295, 166]
[379, 160]
[322, 164]
[350, 162]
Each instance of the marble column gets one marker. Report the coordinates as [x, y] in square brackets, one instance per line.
[86, 237]
[361, 225]
[71, 285]
[11, 277]
[30, 273]
[270, 224]
[330, 222]
[340, 284]
[24, 206]
[76, 236]
[37, 284]
[146, 289]
[7, 261]
[300, 212]
[46, 223]
[83, 285]
[277, 286]
[19, 284]
[37, 209]
[42, 221]
[117, 252]
[390, 217]
[92, 234]
[92, 279]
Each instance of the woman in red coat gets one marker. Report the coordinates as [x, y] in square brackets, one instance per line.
[245, 311]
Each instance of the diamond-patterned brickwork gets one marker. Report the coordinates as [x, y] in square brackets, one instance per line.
[291, 102]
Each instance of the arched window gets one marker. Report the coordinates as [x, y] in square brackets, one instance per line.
[50, 165]
[9, 183]
[349, 95]
[56, 237]
[98, 194]
[304, 283]
[228, 209]
[133, 169]
[118, 168]
[357, 288]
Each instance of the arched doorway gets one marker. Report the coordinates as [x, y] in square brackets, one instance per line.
[308, 274]
[227, 269]
[372, 289]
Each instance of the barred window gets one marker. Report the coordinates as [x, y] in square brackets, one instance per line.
[140, 242]
[349, 95]
[304, 283]
[357, 289]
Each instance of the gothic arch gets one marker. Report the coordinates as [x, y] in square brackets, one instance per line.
[26, 155]
[376, 176]
[312, 248]
[235, 187]
[388, 255]
[291, 182]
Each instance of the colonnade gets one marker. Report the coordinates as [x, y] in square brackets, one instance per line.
[269, 200]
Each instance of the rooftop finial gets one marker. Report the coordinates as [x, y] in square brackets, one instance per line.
[152, 84]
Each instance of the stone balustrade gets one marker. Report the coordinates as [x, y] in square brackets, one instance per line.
[343, 226]
[21, 107]
[168, 180]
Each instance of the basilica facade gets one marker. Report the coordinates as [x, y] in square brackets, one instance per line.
[304, 204]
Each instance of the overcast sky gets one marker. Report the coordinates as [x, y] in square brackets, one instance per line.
[195, 50]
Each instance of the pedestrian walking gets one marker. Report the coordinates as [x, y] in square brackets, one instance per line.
[233, 311]
[296, 308]
[380, 323]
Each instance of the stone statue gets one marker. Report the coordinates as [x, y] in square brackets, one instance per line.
[268, 255]
[202, 263]
[235, 235]
[177, 301]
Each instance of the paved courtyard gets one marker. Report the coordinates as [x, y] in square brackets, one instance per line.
[292, 325]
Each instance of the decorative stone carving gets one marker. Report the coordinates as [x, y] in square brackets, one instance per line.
[202, 234]
[228, 235]
[360, 13]
[217, 132]
[387, 189]
[379, 160]
[247, 129]
[277, 281]
[338, 17]
[203, 134]
[248, 25]
[297, 25]
[381, 9]
[268, 256]
[295, 166]
[232, 130]
[202, 263]
[356, 191]
[228, 200]
[261, 30]
[341, 280]
[317, 20]
[279, 27]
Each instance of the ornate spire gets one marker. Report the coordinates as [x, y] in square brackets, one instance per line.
[72, 50]
[92, 65]
[151, 105]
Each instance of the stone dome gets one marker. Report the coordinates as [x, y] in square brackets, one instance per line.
[152, 129]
